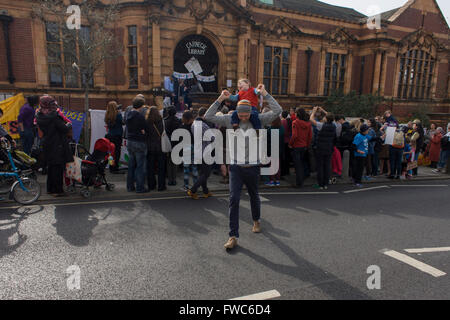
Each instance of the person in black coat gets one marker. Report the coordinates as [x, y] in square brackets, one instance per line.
[172, 123]
[55, 143]
[155, 157]
[326, 140]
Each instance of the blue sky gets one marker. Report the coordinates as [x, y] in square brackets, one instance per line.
[384, 5]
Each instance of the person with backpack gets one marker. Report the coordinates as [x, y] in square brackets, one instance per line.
[445, 152]
[325, 142]
[396, 154]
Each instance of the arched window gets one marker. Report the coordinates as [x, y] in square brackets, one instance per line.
[416, 75]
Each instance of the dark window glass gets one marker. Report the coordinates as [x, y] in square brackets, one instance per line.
[327, 73]
[328, 59]
[342, 77]
[267, 82]
[133, 77]
[285, 55]
[335, 72]
[56, 78]
[343, 58]
[133, 56]
[267, 69]
[277, 51]
[54, 52]
[276, 86]
[284, 86]
[132, 36]
[276, 67]
[52, 31]
[285, 71]
[268, 53]
[326, 88]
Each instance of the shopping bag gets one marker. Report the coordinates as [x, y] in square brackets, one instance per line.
[411, 165]
[73, 169]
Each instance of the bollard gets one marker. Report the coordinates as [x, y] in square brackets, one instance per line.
[346, 165]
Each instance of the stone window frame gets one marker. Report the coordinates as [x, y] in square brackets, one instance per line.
[61, 59]
[414, 63]
[283, 53]
[133, 67]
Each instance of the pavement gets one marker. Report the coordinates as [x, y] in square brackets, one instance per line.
[215, 185]
[344, 243]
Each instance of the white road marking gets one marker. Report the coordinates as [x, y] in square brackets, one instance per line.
[365, 189]
[420, 185]
[414, 263]
[427, 250]
[261, 296]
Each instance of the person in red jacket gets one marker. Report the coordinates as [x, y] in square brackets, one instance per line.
[300, 141]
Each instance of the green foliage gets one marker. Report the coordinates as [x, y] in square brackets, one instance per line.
[353, 104]
[421, 112]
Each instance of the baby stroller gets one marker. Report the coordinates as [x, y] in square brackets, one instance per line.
[93, 167]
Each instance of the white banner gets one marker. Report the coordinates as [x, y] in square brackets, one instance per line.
[98, 131]
[183, 75]
[206, 79]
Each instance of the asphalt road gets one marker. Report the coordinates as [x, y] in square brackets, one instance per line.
[313, 246]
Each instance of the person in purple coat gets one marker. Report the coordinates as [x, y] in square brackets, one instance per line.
[26, 123]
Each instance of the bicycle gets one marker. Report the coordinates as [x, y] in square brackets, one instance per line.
[17, 183]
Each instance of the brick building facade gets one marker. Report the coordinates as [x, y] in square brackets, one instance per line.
[301, 49]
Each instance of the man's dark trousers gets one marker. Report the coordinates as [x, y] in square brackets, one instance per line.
[202, 181]
[298, 154]
[238, 177]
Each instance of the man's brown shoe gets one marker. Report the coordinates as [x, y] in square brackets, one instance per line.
[231, 243]
[207, 195]
[256, 227]
[192, 195]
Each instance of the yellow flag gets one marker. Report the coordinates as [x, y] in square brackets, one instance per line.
[11, 108]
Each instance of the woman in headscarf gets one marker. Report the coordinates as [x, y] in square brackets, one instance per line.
[55, 143]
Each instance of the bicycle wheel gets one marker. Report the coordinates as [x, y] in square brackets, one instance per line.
[5, 184]
[28, 196]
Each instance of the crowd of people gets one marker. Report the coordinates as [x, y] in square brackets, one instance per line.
[310, 141]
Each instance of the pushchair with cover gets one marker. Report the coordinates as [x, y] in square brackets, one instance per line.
[93, 167]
